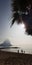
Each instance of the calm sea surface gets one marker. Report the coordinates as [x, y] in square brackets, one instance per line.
[12, 49]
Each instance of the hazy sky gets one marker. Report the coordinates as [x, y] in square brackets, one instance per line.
[16, 34]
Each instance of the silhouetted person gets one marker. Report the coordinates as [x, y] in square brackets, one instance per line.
[18, 51]
[21, 51]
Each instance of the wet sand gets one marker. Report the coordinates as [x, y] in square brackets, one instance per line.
[12, 58]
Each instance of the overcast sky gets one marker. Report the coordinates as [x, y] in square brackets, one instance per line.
[16, 34]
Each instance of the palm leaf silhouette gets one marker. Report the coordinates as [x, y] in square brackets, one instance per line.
[22, 10]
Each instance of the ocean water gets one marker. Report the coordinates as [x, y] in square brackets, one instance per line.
[12, 49]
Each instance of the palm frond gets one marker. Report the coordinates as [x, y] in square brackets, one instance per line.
[22, 10]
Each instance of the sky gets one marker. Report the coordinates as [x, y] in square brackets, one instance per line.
[16, 34]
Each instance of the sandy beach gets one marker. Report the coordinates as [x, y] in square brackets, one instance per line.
[12, 58]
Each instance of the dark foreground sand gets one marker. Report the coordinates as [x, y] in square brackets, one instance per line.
[10, 58]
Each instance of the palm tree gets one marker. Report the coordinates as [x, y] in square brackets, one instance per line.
[21, 11]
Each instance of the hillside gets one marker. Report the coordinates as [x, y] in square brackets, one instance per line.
[5, 44]
[10, 58]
